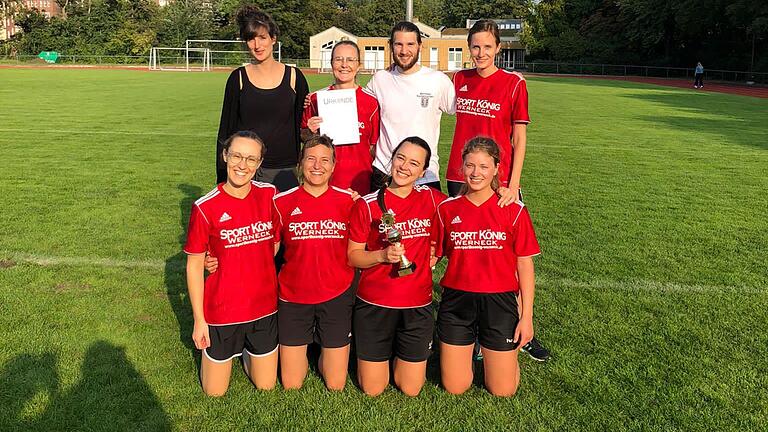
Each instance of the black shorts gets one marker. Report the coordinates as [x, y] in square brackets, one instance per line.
[465, 316]
[258, 338]
[381, 332]
[329, 323]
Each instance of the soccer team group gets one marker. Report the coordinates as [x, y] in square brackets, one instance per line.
[309, 242]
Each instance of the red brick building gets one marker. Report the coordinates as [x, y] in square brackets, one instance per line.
[49, 8]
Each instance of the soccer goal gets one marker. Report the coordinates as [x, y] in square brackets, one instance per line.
[180, 59]
[228, 52]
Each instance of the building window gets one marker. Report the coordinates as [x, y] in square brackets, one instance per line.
[454, 58]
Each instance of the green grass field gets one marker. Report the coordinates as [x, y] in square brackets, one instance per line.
[650, 205]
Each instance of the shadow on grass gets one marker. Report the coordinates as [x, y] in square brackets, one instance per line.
[175, 278]
[738, 121]
[111, 395]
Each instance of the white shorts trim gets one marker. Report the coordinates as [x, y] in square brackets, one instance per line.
[245, 350]
[205, 352]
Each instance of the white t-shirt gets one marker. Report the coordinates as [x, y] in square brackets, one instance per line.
[411, 105]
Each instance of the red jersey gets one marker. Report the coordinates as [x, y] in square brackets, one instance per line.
[241, 234]
[314, 231]
[379, 285]
[354, 163]
[487, 107]
[482, 243]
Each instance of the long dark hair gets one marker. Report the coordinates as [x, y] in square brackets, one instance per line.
[485, 145]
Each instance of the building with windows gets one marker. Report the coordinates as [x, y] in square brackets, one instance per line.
[442, 49]
[49, 8]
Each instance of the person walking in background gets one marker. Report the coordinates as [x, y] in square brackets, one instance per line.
[698, 78]
[265, 97]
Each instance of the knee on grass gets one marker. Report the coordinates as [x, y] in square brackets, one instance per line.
[455, 387]
[502, 390]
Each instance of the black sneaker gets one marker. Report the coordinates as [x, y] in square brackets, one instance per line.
[536, 350]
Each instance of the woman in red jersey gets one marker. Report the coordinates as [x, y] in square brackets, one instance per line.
[316, 283]
[490, 102]
[354, 161]
[393, 312]
[235, 308]
[490, 253]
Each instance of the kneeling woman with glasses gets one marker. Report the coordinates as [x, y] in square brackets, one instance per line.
[234, 309]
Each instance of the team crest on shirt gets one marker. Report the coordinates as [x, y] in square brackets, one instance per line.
[425, 97]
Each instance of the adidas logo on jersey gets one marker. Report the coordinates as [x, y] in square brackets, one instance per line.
[296, 212]
[456, 220]
[225, 217]
[464, 88]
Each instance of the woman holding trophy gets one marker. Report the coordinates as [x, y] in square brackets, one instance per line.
[389, 238]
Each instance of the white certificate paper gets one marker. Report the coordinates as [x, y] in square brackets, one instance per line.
[338, 108]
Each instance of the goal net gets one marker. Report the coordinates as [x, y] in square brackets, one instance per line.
[227, 53]
[179, 59]
[202, 55]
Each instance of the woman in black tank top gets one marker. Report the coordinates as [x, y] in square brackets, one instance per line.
[265, 97]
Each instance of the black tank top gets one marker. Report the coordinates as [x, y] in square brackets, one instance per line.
[271, 114]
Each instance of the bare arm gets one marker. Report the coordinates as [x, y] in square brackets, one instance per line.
[509, 194]
[519, 139]
[361, 258]
[195, 285]
[526, 275]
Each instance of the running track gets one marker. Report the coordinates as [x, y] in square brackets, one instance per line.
[717, 87]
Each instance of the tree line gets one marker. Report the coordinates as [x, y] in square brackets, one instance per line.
[722, 34]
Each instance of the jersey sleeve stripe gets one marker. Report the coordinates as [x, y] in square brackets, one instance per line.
[202, 213]
[289, 191]
[522, 206]
[207, 196]
[341, 190]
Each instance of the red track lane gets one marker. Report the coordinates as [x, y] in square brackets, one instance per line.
[718, 87]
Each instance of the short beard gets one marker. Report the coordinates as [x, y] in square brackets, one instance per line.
[406, 67]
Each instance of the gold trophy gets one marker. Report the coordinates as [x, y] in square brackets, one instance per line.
[394, 237]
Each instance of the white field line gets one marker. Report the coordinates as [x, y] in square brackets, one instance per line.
[644, 285]
[541, 281]
[109, 132]
[45, 260]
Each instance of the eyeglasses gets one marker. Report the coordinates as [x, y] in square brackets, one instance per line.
[236, 158]
[341, 60]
